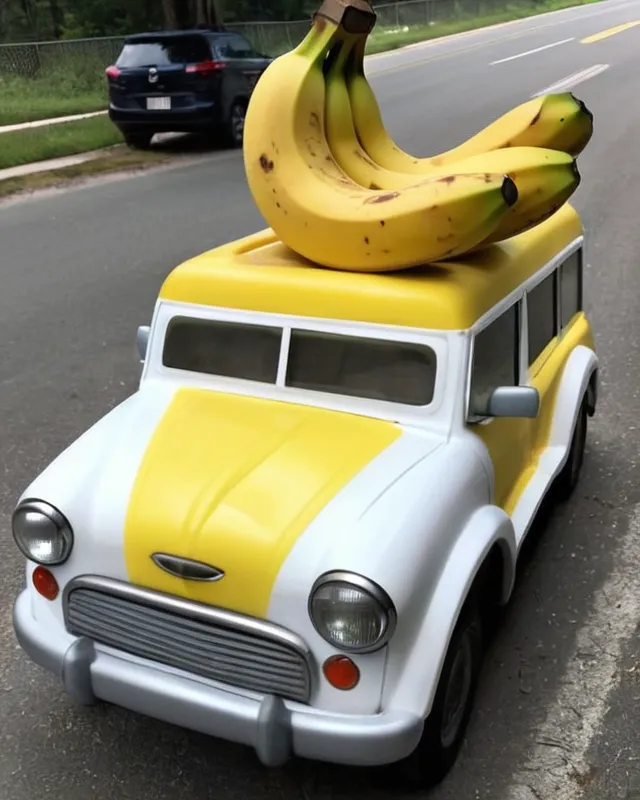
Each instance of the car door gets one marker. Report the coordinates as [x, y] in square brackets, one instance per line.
[496, 362]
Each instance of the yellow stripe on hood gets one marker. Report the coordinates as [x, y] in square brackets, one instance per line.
[233, 482]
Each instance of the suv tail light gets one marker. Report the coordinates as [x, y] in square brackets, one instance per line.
[112, 72]
[205, 67]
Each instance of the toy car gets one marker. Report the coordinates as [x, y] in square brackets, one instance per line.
[291, 534]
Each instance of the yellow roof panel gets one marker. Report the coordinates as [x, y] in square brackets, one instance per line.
[259, 273]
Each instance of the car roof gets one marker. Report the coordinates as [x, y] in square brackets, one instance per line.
[134, 38]
[259, 273]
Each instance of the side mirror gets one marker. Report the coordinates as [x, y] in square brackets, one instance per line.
[142, 340]
[511, 401]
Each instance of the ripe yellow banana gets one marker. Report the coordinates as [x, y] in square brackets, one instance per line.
[316, 209]
[545, 178]
[555, 121]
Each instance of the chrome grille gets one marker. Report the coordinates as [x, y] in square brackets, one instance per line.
[201, 640]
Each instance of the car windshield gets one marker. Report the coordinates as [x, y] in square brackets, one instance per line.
[375, 369]
[164, 52]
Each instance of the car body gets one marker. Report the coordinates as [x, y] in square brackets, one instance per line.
[184, 81]
[291, 531]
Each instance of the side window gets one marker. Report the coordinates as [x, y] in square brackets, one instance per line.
[541, 316]
[235, 46]
[570, 287]
[495, 360]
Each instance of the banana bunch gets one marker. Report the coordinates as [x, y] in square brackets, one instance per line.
[347, 200]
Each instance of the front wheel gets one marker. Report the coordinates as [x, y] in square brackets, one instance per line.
[445, 727]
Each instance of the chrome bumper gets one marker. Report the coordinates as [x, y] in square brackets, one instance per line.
[275, 728]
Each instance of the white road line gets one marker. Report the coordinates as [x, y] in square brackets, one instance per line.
[559, 758]
[573, 80]
[531, 52]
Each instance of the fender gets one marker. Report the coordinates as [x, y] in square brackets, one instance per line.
[420, 672]
[579, 377]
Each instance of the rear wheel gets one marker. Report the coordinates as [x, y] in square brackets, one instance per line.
[234, 133]
[445, 727]
[138, 140]
[567, 480]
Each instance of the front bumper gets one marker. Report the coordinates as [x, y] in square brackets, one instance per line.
[276, 729]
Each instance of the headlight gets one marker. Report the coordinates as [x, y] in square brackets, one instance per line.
[351, 612]
[42, 533]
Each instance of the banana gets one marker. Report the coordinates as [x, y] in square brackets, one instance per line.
[555, 121]
[545, 178]
[316, 209]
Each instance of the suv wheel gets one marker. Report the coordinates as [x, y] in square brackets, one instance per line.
[567, 480]
[445, 727]
[139, 141]
[235, 123]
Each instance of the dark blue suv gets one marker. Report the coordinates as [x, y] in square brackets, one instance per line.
[183, 81]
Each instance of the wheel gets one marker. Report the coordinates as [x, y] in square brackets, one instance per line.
[234, 133]
[445, 727]
[568, 478]
[138, 141]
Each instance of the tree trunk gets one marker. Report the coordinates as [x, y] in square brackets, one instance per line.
[170, 14]
[56, 18]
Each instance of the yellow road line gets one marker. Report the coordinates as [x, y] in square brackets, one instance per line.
[596, 37]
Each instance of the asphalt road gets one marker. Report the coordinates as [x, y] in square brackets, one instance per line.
[558, 716]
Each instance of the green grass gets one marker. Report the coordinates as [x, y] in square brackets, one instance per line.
[75, 86]
[54, 141]
[388, 39]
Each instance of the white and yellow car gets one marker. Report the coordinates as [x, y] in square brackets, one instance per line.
[290, 535]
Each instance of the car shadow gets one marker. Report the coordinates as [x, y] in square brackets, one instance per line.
[185, 144]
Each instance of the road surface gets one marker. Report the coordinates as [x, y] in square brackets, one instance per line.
[558, 716]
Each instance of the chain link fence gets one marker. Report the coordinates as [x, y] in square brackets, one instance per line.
[273, 38]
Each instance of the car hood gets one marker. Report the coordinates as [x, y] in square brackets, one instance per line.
[233, 482]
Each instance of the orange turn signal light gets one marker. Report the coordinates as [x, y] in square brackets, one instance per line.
[45, 584]
[341, 672]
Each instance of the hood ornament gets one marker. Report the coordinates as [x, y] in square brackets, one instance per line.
[187, 569]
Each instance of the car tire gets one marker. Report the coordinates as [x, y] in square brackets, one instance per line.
[138, 141]
[234, 128]
[446, 725]
[567, 480]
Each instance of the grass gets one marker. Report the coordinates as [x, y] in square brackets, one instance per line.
[55, 141]
[389, 39]
[117, 160]
[72, 86]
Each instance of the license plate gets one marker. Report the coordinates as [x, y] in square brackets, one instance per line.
[158, 103]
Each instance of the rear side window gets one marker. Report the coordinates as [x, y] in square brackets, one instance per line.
[570, 287]
[227, 349]
[394, 372]
[235, 46]
[541, 316]
[164, 52]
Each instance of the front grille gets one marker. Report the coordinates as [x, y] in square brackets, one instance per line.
[203, 641]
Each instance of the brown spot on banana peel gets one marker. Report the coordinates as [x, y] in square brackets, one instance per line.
[382, 223]
[314, 120]
[536, 118]
[382, 198]
[447, 179]
[366, 240]
[366, 159]
[266, 164]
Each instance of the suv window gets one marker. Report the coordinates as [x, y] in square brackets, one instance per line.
[163, 52]
[541, 316]
[228, 349]
[570, 287]
[495, 360]
[395, 372]
[235, 46]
